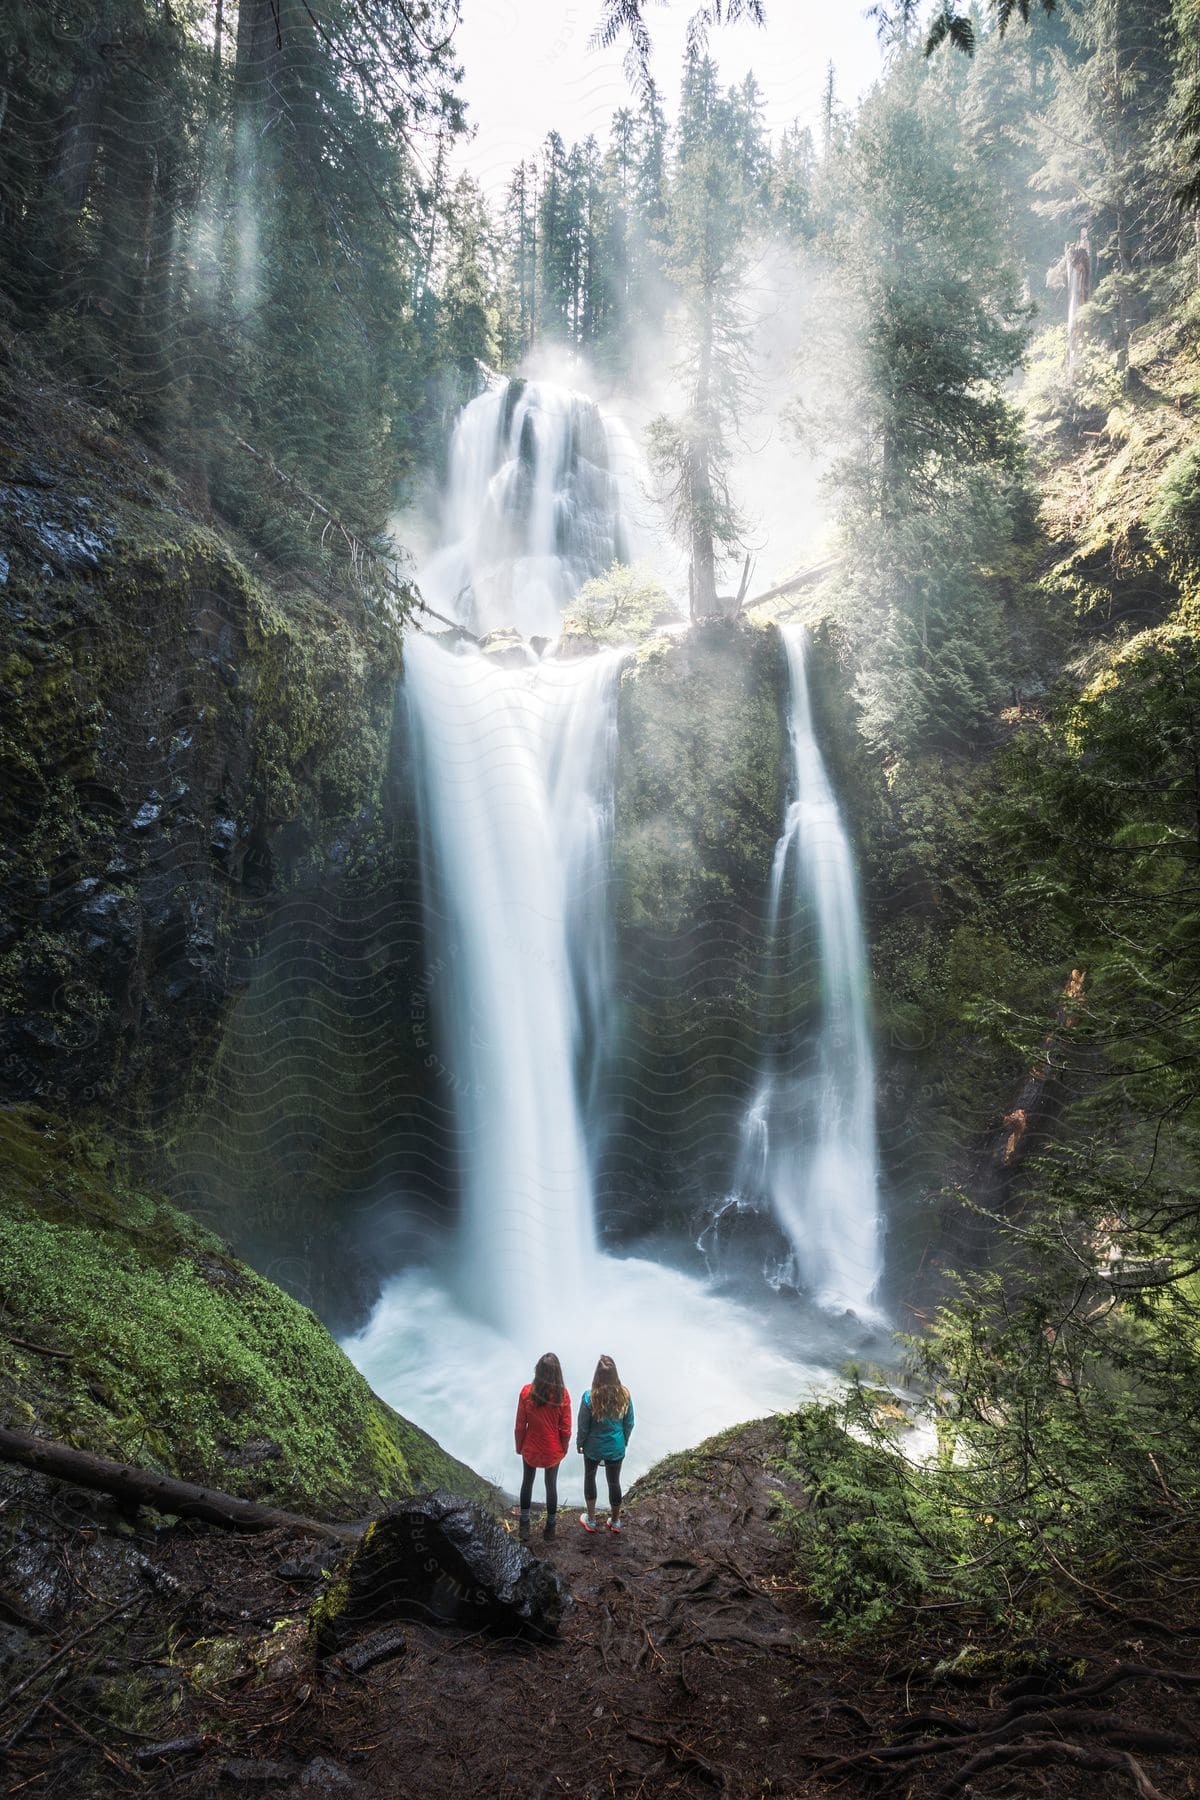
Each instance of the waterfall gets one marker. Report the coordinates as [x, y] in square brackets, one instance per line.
[533, 507]
[514, 763]
[514, 779]
[808, 1137]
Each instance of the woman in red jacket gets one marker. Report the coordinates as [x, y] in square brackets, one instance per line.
[543, 1435]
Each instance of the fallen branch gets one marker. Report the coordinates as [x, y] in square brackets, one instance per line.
[38, 1349]
[64, 1650]
[684, 1755]
[806, 578]
[360, 552]
[188, 1746]
[391, 1641]
[163, 1492]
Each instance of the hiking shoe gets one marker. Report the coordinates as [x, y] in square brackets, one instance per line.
[549, 1529]
[615, 1525]
[589, 1524]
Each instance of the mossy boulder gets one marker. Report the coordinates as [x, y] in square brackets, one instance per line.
[131, 1331]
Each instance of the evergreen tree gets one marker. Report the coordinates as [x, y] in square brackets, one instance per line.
[708, 223]
[791, 184]
[931, 325]
[227, 234]
[1101, 168]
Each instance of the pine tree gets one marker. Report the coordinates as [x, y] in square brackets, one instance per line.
[708, 223]
[931, 322]
[1100, 167]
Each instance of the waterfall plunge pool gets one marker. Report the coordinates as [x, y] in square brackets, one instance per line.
[694, 1360]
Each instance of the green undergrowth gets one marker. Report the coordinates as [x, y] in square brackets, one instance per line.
[132, 1332]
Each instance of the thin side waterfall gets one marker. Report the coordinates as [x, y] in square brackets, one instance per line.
[808, 1137]
[514, 773]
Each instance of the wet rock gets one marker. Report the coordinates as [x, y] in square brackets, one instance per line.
[257, 1450]
[443, 1559]
[146, 815]
[223, 836]
[70, 549]
[577, 643]
[508, 648]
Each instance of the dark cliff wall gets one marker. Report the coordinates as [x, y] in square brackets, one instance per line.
[702, 772]
[198, 840]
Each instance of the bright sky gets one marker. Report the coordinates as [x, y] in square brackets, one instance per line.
[528, 68]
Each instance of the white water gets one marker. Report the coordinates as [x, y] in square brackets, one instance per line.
[515, 772]
[694, 1361]
[533, 508]
[808, 1138]
[514, 767]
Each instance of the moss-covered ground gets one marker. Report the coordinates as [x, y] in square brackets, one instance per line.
[130, 1331]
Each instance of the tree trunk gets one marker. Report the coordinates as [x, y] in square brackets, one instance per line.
[273, 66]
[700, 499]
[79, 141]
[144, 1488]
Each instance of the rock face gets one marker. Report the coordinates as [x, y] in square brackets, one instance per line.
[445, 1559]
[702, 771]
[199, 846]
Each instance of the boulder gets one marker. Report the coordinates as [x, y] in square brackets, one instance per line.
[576, 643]
[508, 648]
[444, 1560]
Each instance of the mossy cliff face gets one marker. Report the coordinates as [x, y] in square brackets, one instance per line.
[129, 1330]
[702, 772]
[179, 741]
[194, 758]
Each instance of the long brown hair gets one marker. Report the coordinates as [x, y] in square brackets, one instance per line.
[609, 1398]
[547, 1380]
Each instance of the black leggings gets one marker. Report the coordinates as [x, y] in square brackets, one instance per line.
[551, 1488]
[612, 1472]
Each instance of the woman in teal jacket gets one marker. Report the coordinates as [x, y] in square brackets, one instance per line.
[604, 1429]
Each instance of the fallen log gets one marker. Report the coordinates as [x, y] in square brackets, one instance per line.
[807, 578]
[143, 1487]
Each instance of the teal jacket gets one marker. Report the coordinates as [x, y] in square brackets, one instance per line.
[602, 1440]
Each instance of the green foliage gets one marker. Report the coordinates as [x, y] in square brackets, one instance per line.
[622, 606]
[1175, 517]
[869, 1540]
[179, 1357]
[1052, 1474]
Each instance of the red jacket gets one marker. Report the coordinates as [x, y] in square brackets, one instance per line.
[543, 1432]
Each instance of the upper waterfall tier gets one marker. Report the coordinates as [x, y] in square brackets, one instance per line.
[533, 507]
